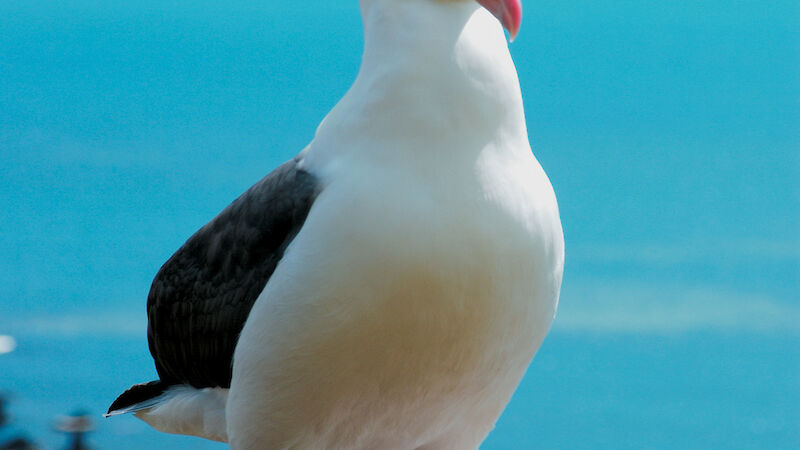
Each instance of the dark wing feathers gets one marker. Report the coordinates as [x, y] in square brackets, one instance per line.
[137, 397]
[202, 295]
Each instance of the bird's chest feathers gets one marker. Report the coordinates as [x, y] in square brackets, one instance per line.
[428, 290]
[437, 260]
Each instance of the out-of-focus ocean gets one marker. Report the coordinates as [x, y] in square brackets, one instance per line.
[670, 131]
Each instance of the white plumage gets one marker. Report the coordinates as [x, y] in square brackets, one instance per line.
[426, 275]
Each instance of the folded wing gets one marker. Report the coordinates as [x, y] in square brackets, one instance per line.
[201, 297]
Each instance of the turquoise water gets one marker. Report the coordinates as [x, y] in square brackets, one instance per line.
[670, 131]
[696, 390]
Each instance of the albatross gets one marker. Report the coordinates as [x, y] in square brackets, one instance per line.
[388, 286]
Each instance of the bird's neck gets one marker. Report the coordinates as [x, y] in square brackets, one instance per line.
[436, 76]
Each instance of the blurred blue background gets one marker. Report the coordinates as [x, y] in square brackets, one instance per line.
[670, 131]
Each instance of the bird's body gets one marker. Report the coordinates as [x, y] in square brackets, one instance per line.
[424, 274]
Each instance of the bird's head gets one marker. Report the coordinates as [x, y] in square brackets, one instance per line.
[508, 12]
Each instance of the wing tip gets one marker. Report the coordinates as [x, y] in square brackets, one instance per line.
[137, 397]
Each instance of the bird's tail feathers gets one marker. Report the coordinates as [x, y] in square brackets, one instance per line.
[178, 409]
[137, 398]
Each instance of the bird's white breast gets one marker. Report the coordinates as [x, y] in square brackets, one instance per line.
[405, 300]
[427, 273]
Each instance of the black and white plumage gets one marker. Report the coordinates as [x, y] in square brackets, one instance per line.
[201, 297]
[389, 286]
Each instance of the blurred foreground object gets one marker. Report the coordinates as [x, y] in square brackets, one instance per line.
[76, 426]
[16, 442]
[19, 443]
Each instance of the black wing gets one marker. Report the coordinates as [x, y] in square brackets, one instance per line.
[202, 295]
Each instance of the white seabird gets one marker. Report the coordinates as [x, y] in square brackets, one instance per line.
[386, 288]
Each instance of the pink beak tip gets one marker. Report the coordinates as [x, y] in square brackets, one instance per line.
[512, 17]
